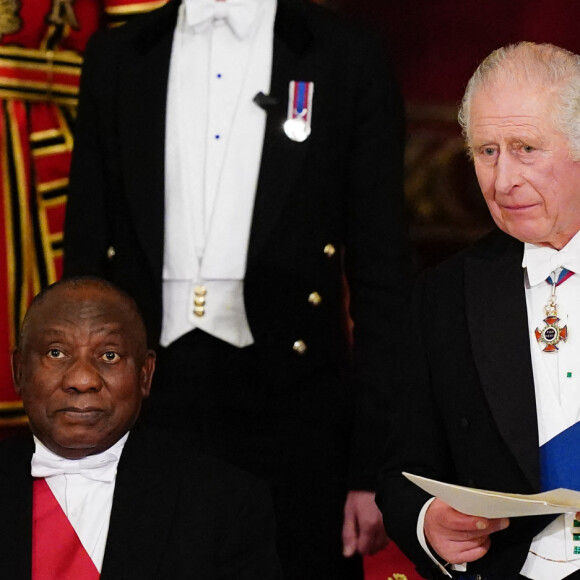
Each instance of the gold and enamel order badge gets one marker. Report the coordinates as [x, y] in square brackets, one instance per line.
[551, 334]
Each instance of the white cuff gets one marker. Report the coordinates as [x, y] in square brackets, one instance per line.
[423, 542]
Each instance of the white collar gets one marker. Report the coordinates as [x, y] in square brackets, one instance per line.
[541, 261]
[101, 466]
[240, 15]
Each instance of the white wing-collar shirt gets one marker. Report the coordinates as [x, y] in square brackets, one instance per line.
[214, 139]
[87, 502]
[557, 389]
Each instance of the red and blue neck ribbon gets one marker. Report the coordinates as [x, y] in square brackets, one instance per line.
[562, 277]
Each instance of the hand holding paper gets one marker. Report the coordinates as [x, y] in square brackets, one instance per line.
[459, 522]
[458, 537]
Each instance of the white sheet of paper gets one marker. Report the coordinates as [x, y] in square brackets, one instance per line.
[494, 504]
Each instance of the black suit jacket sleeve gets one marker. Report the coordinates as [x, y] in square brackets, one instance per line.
[416, 444]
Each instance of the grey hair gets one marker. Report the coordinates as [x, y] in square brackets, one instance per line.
[539, 64]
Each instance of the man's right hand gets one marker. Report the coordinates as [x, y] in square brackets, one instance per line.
[457, 537]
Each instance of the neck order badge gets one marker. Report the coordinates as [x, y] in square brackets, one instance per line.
[552, 333]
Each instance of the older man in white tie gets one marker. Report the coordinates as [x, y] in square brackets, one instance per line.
[492, 399]
[93, 496]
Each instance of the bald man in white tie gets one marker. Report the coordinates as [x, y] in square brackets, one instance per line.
[92, 496]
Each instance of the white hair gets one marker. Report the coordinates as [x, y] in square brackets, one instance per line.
[536, 64]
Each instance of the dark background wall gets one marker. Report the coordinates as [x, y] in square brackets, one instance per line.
[436, 45]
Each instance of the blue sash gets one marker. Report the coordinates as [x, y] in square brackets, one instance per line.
[560, 460]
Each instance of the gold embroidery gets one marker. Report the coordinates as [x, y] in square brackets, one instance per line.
[40, 86]
[11, 405]
[63, 56]
[54, 185]
[8, 212]
[42, 135]
[134, 8]
[53, 150]
[6, 93]
[17, 421]
[9, 22]
[398, 577]
[46, 67]
[63, 13]
[52, 241]
[30, 276]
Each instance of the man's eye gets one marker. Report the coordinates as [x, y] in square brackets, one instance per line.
[110, 356]
[485, 151]
[55, 353]
[528, 148]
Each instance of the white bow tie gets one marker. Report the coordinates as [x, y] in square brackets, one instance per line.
[101, 467]
[238, 14]
[541, 262]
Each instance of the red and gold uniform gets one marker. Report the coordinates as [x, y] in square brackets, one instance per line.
[41, 47]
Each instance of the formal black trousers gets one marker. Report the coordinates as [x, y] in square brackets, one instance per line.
[294, 437]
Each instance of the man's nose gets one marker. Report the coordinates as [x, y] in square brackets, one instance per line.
[82, 376]
[507, 172]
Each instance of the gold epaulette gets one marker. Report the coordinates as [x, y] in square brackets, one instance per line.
[120, 11]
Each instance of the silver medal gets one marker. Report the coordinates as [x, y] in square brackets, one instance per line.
[297, 129]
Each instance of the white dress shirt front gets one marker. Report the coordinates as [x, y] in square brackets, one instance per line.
[87, 503]
[557, 388]
[214, 139]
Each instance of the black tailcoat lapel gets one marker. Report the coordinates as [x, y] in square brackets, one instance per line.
[143, 509]
[282, 158]
[143, 79]
[498, 326]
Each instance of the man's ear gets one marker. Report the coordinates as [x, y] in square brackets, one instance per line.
[16, 363]
[147, 370]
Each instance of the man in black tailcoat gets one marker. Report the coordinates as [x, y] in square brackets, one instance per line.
[290, 400]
